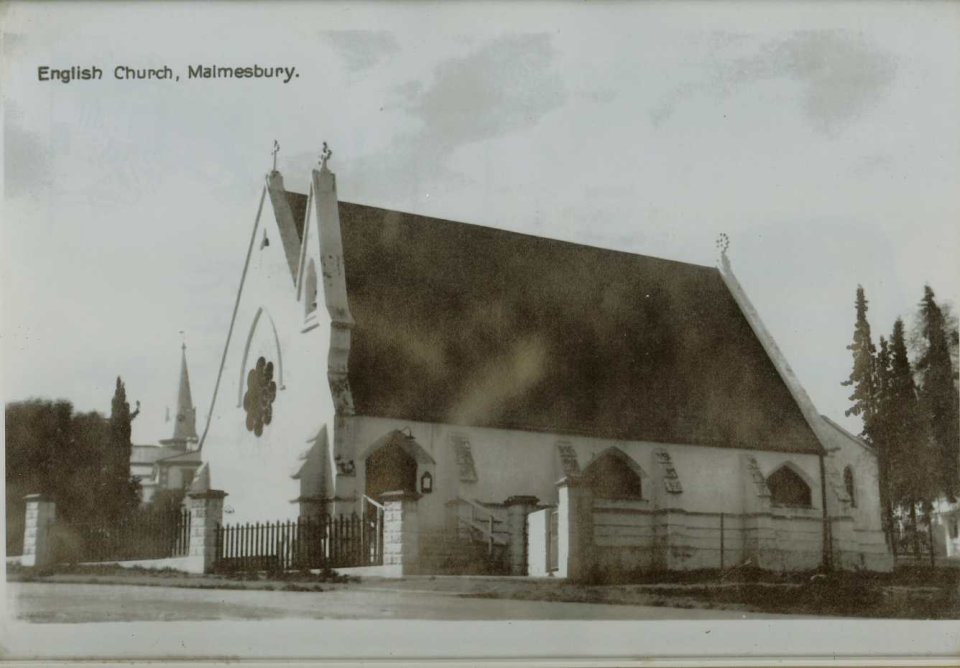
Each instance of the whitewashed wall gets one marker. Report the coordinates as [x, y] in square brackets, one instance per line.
[257, 472]
[512, 463]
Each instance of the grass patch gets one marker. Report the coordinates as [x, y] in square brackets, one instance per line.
[903, 594]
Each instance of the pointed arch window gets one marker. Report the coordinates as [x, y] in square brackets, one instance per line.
[613, 475]
[850, 486]
[787, 488]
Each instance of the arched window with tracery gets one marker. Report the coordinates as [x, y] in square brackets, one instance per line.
[787, 488]
[848, 484]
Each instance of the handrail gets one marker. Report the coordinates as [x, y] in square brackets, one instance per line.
[364, 497]
[495, 536]
[485, 524]
[478, 507]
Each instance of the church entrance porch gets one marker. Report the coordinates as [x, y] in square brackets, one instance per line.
[396, 462]
[390, 469]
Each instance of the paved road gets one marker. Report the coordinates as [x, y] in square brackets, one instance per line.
[269, 625]
[59, 603]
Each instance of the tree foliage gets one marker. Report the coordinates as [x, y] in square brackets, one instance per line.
[938, 393]
[81, 461]
[879, 428]
[910, 411]
[905, 431]
[53, 451]
[120, 491]
[863, 376]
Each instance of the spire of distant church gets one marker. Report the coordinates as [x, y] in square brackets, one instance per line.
[185, 422]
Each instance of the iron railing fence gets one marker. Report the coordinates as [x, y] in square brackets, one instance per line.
[306, 543]
[143, 535]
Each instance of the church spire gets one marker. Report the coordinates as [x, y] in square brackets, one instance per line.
[185, 422]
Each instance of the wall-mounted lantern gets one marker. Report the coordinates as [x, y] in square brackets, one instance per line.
[426, 483]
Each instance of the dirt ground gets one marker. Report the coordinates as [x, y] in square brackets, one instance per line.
[908, 593]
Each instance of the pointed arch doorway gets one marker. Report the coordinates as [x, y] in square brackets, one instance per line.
[393, 463]
[390, 469]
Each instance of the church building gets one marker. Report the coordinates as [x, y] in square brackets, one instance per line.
[172, 464]
[374, 351]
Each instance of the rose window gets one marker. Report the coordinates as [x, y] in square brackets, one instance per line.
[261, 391]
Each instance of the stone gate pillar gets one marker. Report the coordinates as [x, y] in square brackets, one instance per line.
[206, 514]
[401, 533]
[574, 528]
[40, 514]
[518, 507]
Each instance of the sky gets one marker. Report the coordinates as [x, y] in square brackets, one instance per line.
[822, 138]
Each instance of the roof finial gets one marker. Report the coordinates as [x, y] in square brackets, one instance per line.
[183, 340]
[723, 244]
[325, 155]
[276, 149]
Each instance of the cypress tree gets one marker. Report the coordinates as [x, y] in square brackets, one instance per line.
[880, 437]
[120, 490]
[863, 376]
[905, 435]
[939, 396]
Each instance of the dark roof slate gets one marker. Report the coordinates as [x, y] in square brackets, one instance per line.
[298, 207]
[470, 325]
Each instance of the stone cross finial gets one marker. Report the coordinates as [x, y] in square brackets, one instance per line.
[276, 149]
[325, 155]
[723, 244]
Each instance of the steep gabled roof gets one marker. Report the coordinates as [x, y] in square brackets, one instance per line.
[470, 325]
[298, 207]
[849, 436]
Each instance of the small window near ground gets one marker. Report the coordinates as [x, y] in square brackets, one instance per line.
[787, 488]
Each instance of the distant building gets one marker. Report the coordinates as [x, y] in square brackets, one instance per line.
[172, 464]
[946, 528]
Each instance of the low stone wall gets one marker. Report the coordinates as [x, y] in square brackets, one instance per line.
[624, 536]
[629, 536]
[855, 548]
[789, 542]
[607, 537]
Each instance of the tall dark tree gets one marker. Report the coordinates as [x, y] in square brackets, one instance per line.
[863, 376]
[905, 435]
[121, 494]
[880, 428]
[938, 394]
[53, 451]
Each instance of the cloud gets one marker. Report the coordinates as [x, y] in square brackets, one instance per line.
[362, 49]
[841, 74]
[502, 86]
[27, 160]
[506, 85]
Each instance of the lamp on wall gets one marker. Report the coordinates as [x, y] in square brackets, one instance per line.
[426, 483]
